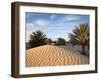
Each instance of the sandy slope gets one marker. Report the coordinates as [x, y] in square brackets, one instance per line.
[49, 55]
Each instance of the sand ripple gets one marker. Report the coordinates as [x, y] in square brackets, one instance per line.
[49, 55]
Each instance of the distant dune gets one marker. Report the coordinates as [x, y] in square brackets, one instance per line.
[49, 55]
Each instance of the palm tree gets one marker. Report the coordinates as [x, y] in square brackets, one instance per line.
[37, 38]
[61, 41]
[72, 40]
[80, 36]
[48, 41]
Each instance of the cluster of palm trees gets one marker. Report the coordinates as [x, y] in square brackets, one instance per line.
[79, 36]
[38, 38]
[60, 41]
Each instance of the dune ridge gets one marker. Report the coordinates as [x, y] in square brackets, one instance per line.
[49, 55]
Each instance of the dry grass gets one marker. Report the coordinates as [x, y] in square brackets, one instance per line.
[49, 55]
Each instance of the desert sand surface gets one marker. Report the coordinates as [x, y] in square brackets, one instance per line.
[49, 55]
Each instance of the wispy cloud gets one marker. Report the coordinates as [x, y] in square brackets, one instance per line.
[52, 16]
[29, 26]
[38, 24]
[29, 30]
[53, 25]
[70, 18]
[41, 22]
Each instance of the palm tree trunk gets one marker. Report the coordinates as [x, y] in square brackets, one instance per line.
[83, 50]
[73, 45]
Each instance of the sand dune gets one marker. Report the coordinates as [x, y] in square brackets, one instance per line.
[49, 55]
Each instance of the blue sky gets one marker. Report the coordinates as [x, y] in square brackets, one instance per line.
[53, 25]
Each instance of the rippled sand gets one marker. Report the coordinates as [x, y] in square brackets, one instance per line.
[49, 55]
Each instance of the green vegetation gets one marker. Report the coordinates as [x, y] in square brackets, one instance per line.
[48, 41]
[37, 38]
[80, 36]
[61, 41]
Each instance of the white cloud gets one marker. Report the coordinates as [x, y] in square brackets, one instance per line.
[29, 26]
[29, 30]
[27, 36]
[52, 16]
[36, 25]
[71, 18]
[41, 22]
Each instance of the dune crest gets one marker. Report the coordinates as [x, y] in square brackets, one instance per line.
[49, 55]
